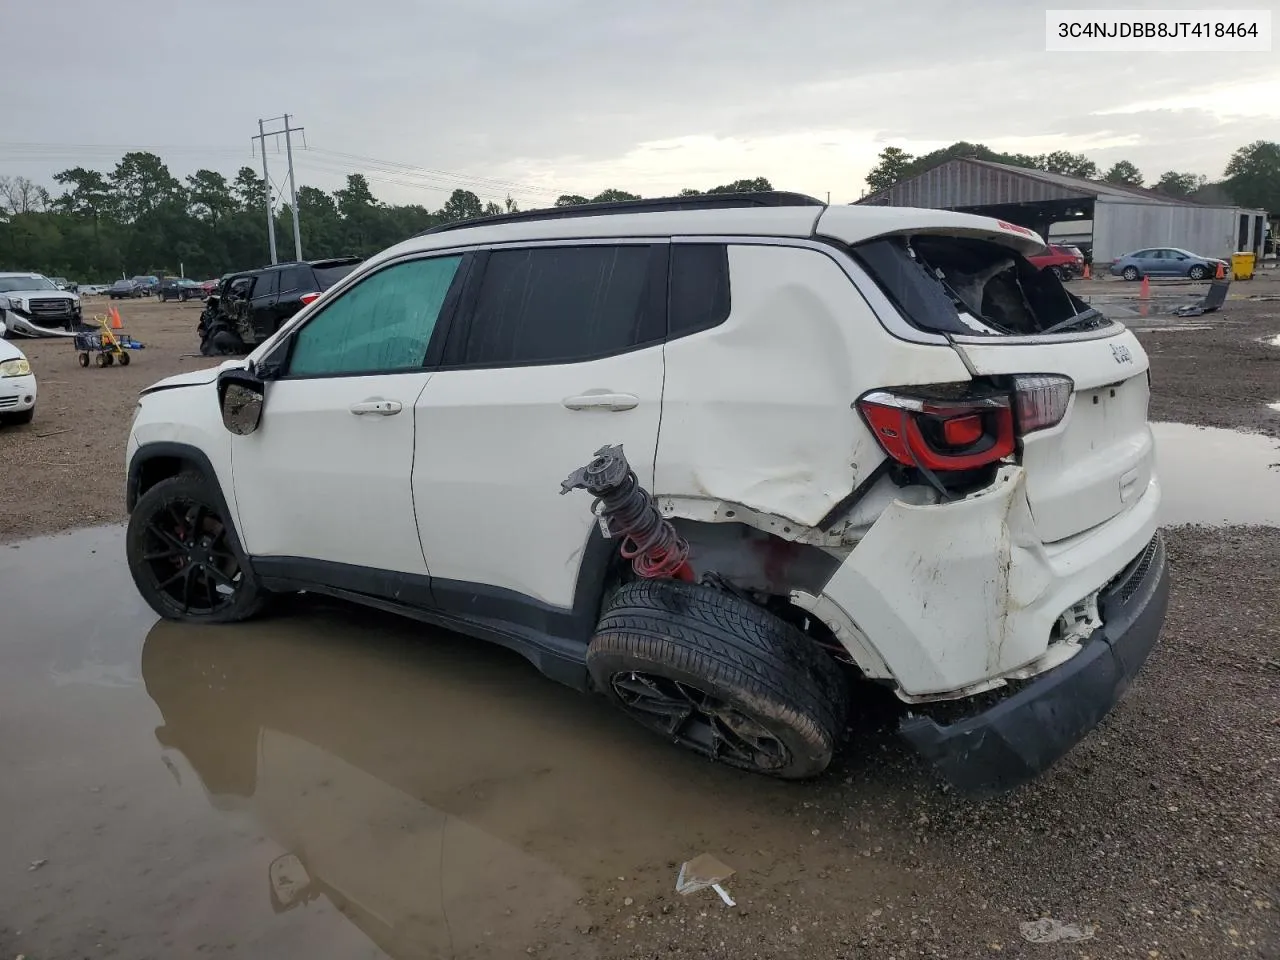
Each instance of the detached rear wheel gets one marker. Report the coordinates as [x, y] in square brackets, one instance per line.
[184, 556]
[720, 676]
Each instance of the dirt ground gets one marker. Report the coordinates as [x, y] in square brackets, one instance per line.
[66, 469]
[173, 789]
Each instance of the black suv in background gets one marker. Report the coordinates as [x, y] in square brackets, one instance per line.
[179, 288]
[249, 306]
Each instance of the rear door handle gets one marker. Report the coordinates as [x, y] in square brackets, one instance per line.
[602, 401]
[381, 408]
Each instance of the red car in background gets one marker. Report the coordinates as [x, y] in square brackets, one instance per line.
[1066, 262]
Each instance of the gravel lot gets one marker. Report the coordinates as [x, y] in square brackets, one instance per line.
[1161, 830]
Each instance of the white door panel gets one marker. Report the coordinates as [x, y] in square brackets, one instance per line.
[493, 448]
[326, 474]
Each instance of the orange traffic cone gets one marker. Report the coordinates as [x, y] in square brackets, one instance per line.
[116, 322]
[1145, 293]
[1088, 274]
[1221, 274]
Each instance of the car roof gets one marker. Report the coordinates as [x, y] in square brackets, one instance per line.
[849, 223]
[33, 276]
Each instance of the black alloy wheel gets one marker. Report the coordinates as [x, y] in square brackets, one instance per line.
[696, 720]
[184, 557]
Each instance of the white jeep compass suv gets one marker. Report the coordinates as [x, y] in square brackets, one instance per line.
[828, 446]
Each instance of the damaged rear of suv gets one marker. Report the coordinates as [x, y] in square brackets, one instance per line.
[827, 446]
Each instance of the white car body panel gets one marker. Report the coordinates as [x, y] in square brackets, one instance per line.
[857, 224]
[954, 597]
[320, 482]
[758, 411]
[494, 447]
[1100, 459]
[17, 394]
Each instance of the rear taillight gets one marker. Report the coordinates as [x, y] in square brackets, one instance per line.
[948, 427]
[940, 434]
[309, 298]
[1041, 400]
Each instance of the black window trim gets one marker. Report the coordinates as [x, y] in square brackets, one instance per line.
[659, 267]
[435, 346]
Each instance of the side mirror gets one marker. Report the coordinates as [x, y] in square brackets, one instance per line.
[240, 396]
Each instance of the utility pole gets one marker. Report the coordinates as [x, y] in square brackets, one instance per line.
[266, 183]
[293, 189]
[263, 133]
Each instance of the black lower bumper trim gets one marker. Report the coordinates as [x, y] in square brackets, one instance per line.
[1023, 735]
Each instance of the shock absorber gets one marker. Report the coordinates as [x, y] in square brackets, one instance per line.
[625, 509]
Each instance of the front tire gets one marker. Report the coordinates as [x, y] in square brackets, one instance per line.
[718, 675]
[1197, 272]
[1130, 273]
[184, 555]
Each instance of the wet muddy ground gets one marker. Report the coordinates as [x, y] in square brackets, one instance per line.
[332, 783]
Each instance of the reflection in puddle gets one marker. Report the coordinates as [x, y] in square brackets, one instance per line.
[447, 799]
[1215, 476]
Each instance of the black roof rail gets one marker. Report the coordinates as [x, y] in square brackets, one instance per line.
[701, 201]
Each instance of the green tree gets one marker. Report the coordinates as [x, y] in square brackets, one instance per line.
[249, 190]
[461, 205]
[690, 192]
[1123, 173]
[1181, 185]
[1070, 164]
[1253, 176]
[571, 200]
[758, 185]
[892, 167]
[613, 195]
[143, 183]
[210, 195]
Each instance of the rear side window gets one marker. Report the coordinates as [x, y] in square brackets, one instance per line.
[326, 277]
[699, 297]
[267, 284]
[296, 278]
[563, 304]
[968, 287]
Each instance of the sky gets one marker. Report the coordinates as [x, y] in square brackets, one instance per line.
[534, 98]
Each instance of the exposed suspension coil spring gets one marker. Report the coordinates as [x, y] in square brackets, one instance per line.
[627, 510]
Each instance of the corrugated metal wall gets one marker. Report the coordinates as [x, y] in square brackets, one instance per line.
[1120, 228]
[959, 184]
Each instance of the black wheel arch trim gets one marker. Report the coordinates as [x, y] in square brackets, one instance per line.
[197, 458]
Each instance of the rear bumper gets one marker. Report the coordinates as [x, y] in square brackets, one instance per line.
[1023, 735]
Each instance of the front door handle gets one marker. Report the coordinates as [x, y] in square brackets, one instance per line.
[381, 408]
[602, 401]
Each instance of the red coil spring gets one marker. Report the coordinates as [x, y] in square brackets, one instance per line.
[649, 541]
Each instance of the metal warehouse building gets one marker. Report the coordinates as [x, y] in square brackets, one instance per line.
[1104, 219]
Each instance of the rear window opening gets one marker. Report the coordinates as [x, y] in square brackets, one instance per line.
[972, 288]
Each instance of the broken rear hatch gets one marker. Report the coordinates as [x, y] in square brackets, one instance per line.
[969, 281]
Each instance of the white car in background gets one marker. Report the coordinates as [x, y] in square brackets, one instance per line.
[32, 305]
[17, 384]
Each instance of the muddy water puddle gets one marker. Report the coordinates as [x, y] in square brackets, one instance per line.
[330, 782]
[1214, 476]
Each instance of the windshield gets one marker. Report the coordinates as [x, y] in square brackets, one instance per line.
[961, 286]
[16, 284]
[123, 283]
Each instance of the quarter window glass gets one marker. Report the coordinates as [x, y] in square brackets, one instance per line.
[382, 324]
[699, 287]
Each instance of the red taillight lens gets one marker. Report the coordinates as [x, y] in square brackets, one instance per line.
[956, 426]
[1041, 400]
[309, 298]
[962, 431]
[940, 435]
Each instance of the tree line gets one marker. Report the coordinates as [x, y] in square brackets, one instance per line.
[141, 219]
[1251, 178]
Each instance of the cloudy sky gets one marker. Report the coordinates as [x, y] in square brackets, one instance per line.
[539, 97]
